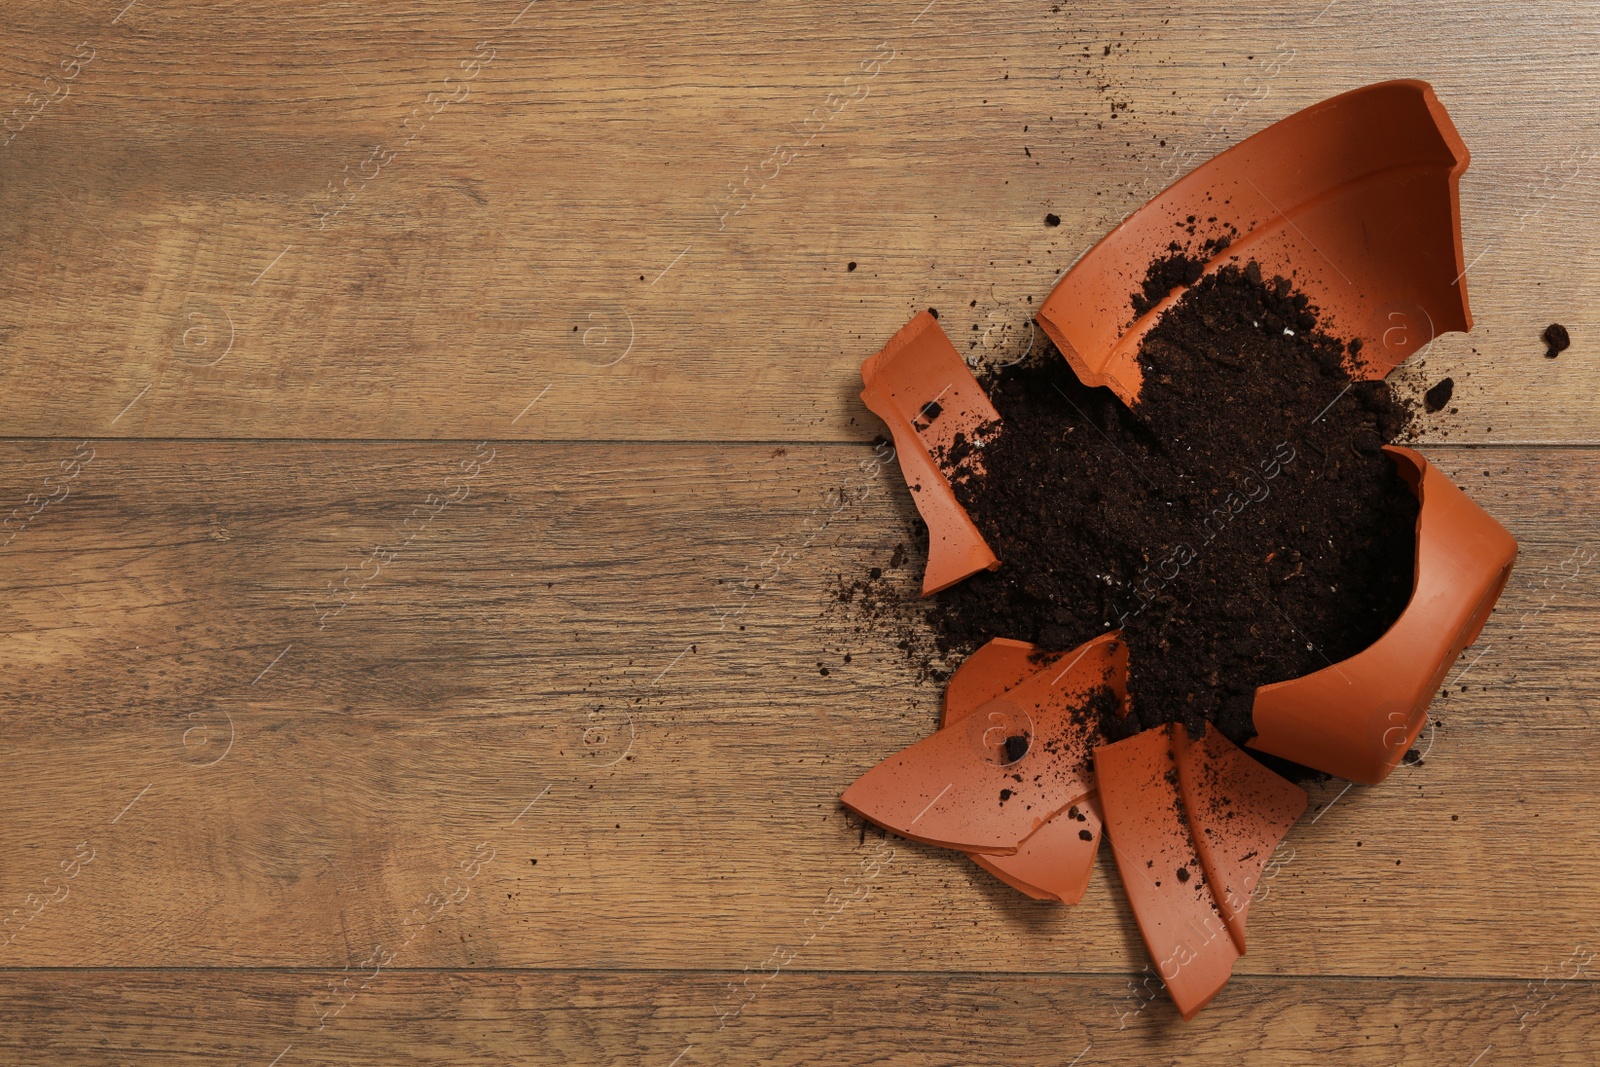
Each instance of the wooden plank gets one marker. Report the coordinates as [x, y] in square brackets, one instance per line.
[792, 1017]
[562, 227]
[571, 633]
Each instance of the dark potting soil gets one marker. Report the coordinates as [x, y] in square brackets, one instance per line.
[1437, 397]
[1241, 525]
[1557, 340]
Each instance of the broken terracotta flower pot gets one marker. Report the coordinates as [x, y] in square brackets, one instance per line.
[1356, 718]
[1355, 199]
[922, 389]
[989, 779]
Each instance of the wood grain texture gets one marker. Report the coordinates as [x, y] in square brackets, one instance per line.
[799, 1017]
[332, 735]
[572, 634]
[557, 223]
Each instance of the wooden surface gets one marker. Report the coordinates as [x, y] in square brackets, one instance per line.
[143, 215]
[553, 775]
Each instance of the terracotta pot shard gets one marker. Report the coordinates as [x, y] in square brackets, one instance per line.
[1356, 718]
[1356, 199]
[989, 779]
[1237, 812]
[922, 389]
[1183, 929]
[999, 665]
[1056, 861]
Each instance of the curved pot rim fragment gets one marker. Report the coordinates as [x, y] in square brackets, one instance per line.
[1356, 199]
[1356, 718]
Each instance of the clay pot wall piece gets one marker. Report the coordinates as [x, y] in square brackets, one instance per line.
[1355, 199]
[971, 786]
[922, 389]
[1356, 718]
[1183, 929]
[1056, 861]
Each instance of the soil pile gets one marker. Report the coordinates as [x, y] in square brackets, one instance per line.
[1241, 526]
